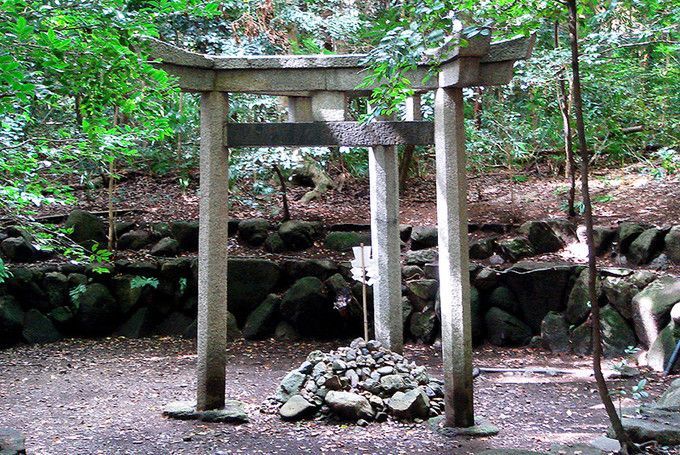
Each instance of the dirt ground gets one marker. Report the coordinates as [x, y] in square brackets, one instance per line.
[106, 396]
[619, 195]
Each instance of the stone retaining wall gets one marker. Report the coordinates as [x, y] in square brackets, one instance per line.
[627, 243]
[538, 303]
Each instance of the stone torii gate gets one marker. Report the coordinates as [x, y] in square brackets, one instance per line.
[317, 88]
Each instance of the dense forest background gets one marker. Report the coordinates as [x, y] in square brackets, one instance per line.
[81, 103]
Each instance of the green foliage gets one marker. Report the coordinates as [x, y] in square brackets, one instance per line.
[143, 281]
[4, 272]
[76, 293]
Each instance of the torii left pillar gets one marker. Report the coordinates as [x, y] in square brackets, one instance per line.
[212, 252]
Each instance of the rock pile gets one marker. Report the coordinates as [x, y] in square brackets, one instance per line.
[359, 383]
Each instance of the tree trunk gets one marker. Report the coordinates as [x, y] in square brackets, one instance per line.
[111, 189]
[614, 418]
[284, 193]
[565, 108]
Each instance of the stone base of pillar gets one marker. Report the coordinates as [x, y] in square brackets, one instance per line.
[481, 428]
[233, 412]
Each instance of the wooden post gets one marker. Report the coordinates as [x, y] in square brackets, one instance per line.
[454, 279]
[212, 252]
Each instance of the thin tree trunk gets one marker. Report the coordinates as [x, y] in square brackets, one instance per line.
[614, 418]
[112, 186]
[179, 130]
[478, 108]
[405, 167]
[284, 193]
[564, 105]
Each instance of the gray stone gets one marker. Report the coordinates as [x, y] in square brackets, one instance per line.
[11, 319]
[344, 241]
[620, 292]
[306, 305]
[482, 248]
[542, 237]
[579, 304]
[516, 248]
[406, 309]
[392, 383]
[411, 272]
[652, 306]
[645, 246]
[38, 328]
[233, 332]
[160, 230]
[602, 238]
[486, 279]
[539, 288]
[670, 399]
[481, 428]
[617, 335]
[420, 257]
[627, 233]
[297, 407]
[165, 247]
[250, 281]
[322, 269]
[262, 321]
[137, 325]
[675, 313]
[298, 235]
[232, 412]
[186, 234]
[126, 295]
[423, 237]
[555, 332]
[274, 243]
[291, 384]
[253, 232]
[504, 329]
[55, 285]
[123, 227]
[672, 245]
[18, 249]
[662, 348]
[286, 332]
[86, 228]
[502, 297]
[11, 442]
[405, 232]
[175, 324]
[654, 425]
[422, 325]
[581, 338]
[410, 405]
[97, 310]
[134, 240]
[61, 316]
[337, 284]
[348, 405]
[425, 290]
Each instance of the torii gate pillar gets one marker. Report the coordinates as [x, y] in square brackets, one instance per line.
[454, 277]
[212, 252]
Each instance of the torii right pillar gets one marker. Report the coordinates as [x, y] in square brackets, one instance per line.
[454, 278]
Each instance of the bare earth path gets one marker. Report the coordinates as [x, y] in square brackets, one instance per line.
[106, 396]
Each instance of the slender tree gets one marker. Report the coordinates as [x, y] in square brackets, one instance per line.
[565, 108]
[625, 441]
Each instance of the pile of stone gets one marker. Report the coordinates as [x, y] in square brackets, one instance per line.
[360, 383]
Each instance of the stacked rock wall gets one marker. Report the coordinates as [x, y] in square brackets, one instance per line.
[544, 303]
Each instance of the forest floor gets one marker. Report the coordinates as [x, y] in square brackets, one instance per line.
[106, 397]
[627, 194]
